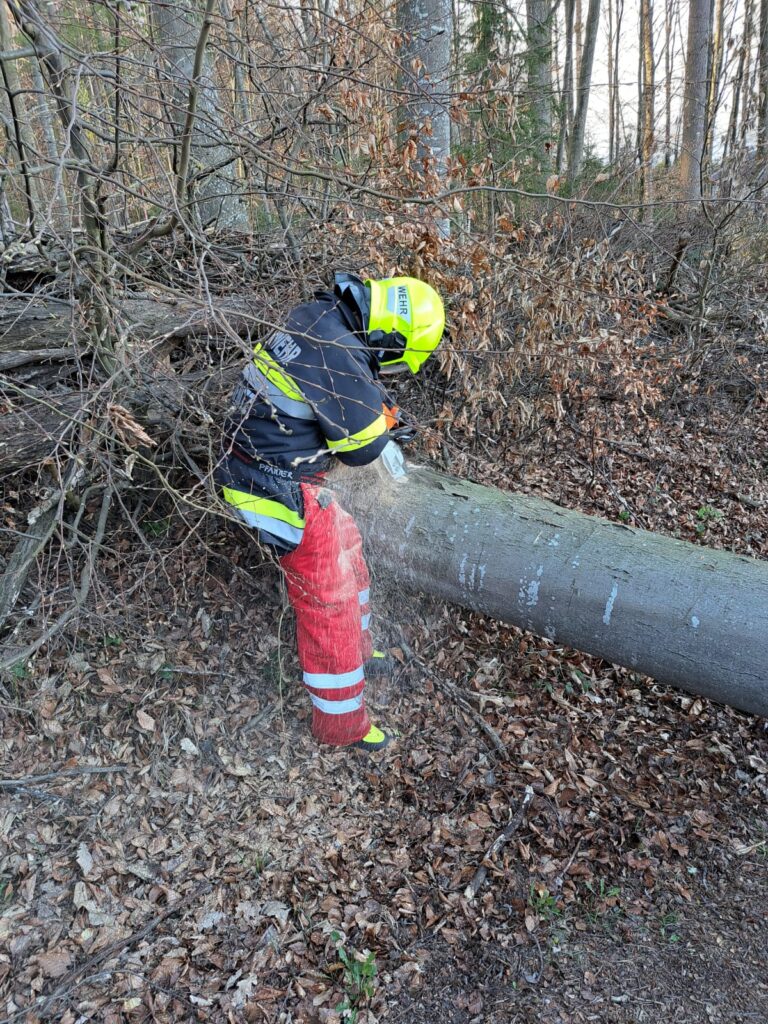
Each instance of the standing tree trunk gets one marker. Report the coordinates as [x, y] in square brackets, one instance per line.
[60, 208]
[566, 123]
[576, 147]
[18, 126]
[738, 82]
[539, 47]
[426, 67]
[695, 99]
[639, 123]
[762, 105]
[217, 196]
[425, 60]
[715, 70]
[611, 126]
[616, 91]
[668, 69]
[647, 110]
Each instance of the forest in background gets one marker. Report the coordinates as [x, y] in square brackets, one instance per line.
[172, 178]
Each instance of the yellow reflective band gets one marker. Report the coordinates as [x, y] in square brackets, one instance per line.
[362, 437]
[275, 374]
[263, 507]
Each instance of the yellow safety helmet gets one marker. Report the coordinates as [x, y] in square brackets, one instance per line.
[406, 322]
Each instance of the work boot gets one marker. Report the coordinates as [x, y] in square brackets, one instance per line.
[374, 740]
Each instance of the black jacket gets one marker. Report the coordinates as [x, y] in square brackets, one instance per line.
[310, 394]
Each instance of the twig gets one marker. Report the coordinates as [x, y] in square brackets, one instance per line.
[44, 1003]
[29, 547]
[87, 769]
[480, 875]
[476, 717]
[81, 595]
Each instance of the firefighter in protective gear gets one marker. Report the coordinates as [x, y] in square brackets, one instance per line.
[312, 393]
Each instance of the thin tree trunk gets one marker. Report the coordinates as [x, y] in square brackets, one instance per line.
[19, 122]
[639, 123]
[539, 53]
[218, 197]
[616, 90]
[668, 68]
[576, 147]
[611, 125]
[60, 207]
[762, 108]
[715, 68]
[695, 99]
[425, 61]
[749, 73]
[566, 125]
[647, 143]
[738, 82]
[689, 616]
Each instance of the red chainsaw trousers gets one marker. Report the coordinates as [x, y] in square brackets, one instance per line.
[328, 587]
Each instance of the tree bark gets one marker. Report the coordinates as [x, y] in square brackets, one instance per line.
[539, 46]
[762, 105]
[425, 59]
[218, 196]
[617, 116]
[576, 146]
[668, 70]
[566, 122]
[738, 82]
[695, 99]
[36, 424]
[18, 128]
[715, 65]
[693, 617]
[647, 110]
[611, 78]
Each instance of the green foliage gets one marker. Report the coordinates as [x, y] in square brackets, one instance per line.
[19, 671]
[583, 684]
[156, 527]
[359, 979]
[544, 903]
[602, 900]
[254, 861]
[667, 927]
[490, 29]
[706, 516]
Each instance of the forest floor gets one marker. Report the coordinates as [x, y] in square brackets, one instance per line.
[175, 847]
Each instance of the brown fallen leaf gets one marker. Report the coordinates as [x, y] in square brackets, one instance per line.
[146, 722]
[55, 963]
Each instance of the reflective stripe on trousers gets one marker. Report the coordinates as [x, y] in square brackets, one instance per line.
[266, 515]
[326, 576]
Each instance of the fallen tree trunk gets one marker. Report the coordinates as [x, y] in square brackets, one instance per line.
[689, 616]
[38, 333]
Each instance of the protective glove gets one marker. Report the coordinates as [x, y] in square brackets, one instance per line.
[401, 428]
[404, 435]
